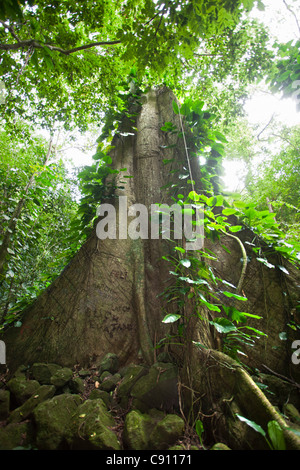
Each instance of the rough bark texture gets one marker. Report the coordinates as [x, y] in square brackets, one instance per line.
[108, 298]
[271, 294]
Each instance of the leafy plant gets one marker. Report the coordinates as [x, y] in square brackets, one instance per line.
[199, 430]
[37, 207]
[274, 437]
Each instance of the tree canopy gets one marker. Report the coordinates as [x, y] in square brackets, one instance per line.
[65, 63]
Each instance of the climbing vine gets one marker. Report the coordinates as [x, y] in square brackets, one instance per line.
[194, 278]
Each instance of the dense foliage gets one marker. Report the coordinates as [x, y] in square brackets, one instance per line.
[89, 52]
[36, 212]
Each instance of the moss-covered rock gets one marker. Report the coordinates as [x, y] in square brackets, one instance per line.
[158, 388]
[137, 429]
[219, 446]
[54, 419]
[109, 384]
[105, 375]
[22, 389]
[16, 435]
[21, 370]
[105, 396]
[61, 377]
[4, 404]
[84, 373]
[25, 410]
[43, 372]
[110, 363]
[76, 385]
[132, 373]
[167, 432]
[91, 428]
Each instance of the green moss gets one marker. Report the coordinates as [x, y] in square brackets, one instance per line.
[167, 432]
[53, 420]
[92, 427]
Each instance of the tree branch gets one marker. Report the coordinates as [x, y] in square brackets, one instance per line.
[293, 13]
[11, 30]
[267, 125]
[36, 45]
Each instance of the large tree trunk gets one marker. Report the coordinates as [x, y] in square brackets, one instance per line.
[108, 298]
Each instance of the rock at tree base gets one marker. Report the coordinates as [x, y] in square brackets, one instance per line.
[53, 420]
[91, 429]
[16, 435]
[25, 410]
[109, 363]
[43, 372]
[153, 430]
[137, 429]
[22, 389]
[61, 377]
[109, 384]
[167, 432]
[219, 446]
[158, 388]
[4, 404]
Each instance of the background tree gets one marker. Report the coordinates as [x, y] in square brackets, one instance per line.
[37, 208]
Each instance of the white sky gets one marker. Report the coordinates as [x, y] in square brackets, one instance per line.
[263, 105]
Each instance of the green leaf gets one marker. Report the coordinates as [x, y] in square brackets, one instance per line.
[252, 424]
[210, 306]
[199, 429]
[194, 196]
[221, 137]
[235, 296]
[107, 159]
[234, 314]
[223, 325]
[187, 279]
[219, 200]
[175, 107]
[179, 248]
[235, 228]
[276, 435]
[229, 211]
[171, 318]
[197, 106]
[211, 201]
[185, 109]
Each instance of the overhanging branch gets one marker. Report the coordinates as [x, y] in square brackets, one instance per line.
[36, 45]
